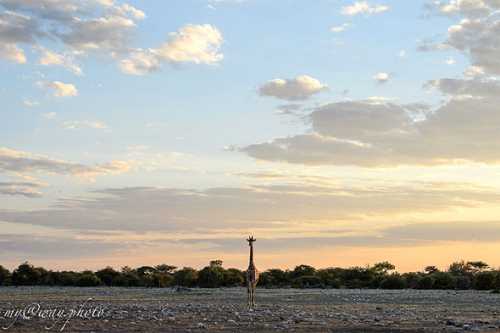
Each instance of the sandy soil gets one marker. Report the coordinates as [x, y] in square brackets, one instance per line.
[224, 310]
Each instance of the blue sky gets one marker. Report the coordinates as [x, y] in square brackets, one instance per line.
[173, 96]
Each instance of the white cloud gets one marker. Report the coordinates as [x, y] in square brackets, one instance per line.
[300, 88]
[12, 53]
[84, 124]
[340, 28]
[388, 134]
[450, 61]
[140, 62]
[382, 77]
[60, 89]
[49, 115]
[199, 44]
[363, 7]
[50, 58]
[474, 71]
[30, 104]
[477, 34]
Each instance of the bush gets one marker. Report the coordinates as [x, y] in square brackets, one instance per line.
[412, 279]
[5, 276]
[88, 279]
[463, 282]
[211, 276]
[308, 281]
[393, 281]
[330, 277]
[107, 275]
[425, 282]
[274, 278]
[302, 270]
[444, 280]
[186, 277]
[485, 281]
[233, 278]
[26, 275]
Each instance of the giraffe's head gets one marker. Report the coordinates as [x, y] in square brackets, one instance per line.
[250, 240]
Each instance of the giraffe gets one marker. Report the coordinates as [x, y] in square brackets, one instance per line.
[252, 275]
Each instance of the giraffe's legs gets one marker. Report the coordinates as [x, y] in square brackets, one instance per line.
[253, 295]
[249, 296]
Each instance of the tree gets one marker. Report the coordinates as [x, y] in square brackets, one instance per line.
[431, 269]
[477, 266]
[425, 282]
[165, 268]
[145, 274]
[127, 278]
[108, 275]
[5, 276]
[277, 278]
[211, 276]
[303, 270]
[26, 275]
[216, 263]
[88, 279]
[330, 277]
[459, 268]
[485, 281]
[393, 281]
[444, 280]
[233, 277]
[186, 277]
[307, 281]
[383, 267]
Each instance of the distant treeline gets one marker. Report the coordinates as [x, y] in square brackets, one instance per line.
[459, 275]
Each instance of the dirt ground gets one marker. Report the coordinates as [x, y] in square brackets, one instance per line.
[27, 309]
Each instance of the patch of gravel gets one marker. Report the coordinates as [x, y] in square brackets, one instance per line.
[278, 310]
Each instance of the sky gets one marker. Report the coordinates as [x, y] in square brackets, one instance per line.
[337, 132]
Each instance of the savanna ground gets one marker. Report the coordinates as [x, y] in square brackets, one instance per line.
[224, 310]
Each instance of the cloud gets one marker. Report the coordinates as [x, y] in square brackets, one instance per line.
[474, 88]
[98, 26]
[300, 88]
[199, 44]
[450, 61]
[363, 7]
[50, 58]
[16, 28]
[12, 53]
[474, 71]
[340, 28]
[26, 189]
[382, 77]
[84, 124]
[49, 115]
[477, 34]
[81, 26]
[18, 247]
[30, 104]
[16, 161]
[60, 89]
[279, 208]
[468, 8]
[386, 134]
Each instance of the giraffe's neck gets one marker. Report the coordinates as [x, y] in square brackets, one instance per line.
[251, 264]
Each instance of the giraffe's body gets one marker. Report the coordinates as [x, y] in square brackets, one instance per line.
[252, 275]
